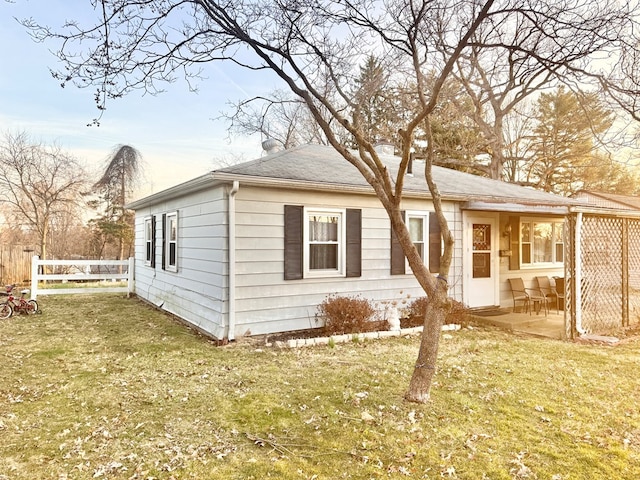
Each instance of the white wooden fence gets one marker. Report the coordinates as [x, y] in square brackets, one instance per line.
[83, 272]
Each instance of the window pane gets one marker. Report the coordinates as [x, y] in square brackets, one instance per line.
[526, 253]
[526, 234]
[148, 254]
[173, 230]
[416, 229]
[481, 236]
[323, 257]
[323, 228]
[172, 254]
[542, 242]
[558, 232]
[481, 265]
[559, 252]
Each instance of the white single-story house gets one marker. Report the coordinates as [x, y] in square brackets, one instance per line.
[255, 248]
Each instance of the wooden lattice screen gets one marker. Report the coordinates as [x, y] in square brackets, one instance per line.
[609, 272]
[634, 271]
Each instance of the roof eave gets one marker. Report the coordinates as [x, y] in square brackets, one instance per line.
[531, 207]
[609, 212]
[194, 185]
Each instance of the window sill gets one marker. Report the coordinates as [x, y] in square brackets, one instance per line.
[542, 266]
[324, 274]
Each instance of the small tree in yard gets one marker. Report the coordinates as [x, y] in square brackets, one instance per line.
[39, 184]
[316, 48]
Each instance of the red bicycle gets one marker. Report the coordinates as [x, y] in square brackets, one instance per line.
[17, 304]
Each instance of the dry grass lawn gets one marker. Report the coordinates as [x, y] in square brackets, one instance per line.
[100, 386]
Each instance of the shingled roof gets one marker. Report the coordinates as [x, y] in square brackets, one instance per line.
[609, 200]
[318, 165]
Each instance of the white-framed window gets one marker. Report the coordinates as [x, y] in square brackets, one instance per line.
[424, 232]
[541, 242]
[418, 223]
[171, 241]
[324, 242]
[148, 241]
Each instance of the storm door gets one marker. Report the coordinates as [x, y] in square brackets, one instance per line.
[481, 266]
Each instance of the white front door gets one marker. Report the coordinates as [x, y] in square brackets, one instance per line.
[481, 266]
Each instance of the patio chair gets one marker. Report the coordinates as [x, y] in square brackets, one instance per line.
[519, 294]
[528, 296]
[547, 291]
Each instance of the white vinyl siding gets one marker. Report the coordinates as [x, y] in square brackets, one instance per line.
[265, 301]
[197, 292]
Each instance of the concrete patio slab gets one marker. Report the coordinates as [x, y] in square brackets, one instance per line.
[549, 326]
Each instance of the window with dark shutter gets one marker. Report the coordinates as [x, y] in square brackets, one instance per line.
[325, 253]
[148, 236]
[293, 242]
[354, 243]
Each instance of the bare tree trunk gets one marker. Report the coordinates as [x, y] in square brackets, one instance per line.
[439, 303]
[425, 368]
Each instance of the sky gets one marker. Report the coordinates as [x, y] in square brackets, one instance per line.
[177, 132]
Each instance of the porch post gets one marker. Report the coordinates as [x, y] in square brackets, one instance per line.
[577, 284]
[34, 276]
[625, 272]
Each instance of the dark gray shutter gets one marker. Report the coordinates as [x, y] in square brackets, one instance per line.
[153, 241]
[354, 243]
[164, 241]
[435, 243]
[293, 218]
[397, 255]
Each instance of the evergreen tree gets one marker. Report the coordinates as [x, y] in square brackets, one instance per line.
[375, 105]
[564, 149]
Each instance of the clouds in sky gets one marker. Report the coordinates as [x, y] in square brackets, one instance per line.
[176, 131]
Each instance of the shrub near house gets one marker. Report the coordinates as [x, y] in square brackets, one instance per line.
[343, 314]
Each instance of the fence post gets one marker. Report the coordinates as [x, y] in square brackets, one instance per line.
[130, 276]
[34, 276]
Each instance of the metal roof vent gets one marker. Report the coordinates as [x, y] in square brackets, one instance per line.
[270, 145]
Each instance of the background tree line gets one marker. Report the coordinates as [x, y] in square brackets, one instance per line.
[49, 205]
[552, 138]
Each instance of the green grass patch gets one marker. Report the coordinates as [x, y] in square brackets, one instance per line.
[101, 386]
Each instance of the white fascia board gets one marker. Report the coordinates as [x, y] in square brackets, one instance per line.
[194, 185]
[517, 207]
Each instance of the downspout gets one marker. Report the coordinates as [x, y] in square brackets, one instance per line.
[577, 284]
[232, 261]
